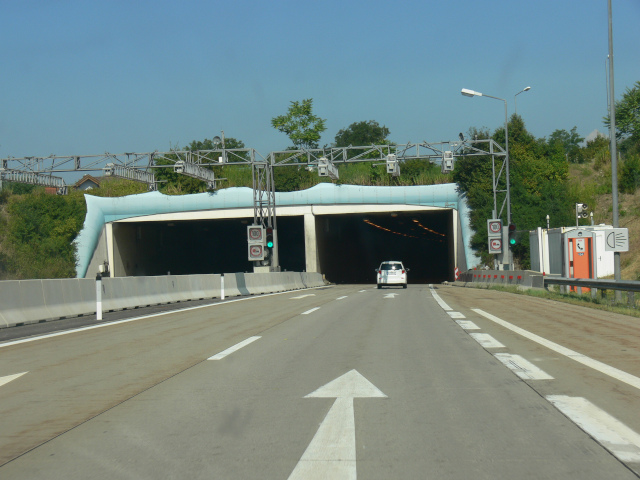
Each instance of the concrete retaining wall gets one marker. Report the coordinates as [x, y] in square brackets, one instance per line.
[522, 278]
[33, 301]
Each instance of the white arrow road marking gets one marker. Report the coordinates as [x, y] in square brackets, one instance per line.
[612, 434]
[391, 295]
[332, 452]
[230, 350]
[9, 378]
[303, 296]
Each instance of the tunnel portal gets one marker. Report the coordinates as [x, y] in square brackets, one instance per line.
[349, 246]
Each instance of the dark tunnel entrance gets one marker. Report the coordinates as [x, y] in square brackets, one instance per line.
[350, 246]
[199, 246]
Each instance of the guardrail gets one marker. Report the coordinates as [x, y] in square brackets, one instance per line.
[594, 286]
[34, 301]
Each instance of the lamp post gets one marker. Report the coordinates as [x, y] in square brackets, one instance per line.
[617, 275]
[525, 89]
[472, 93]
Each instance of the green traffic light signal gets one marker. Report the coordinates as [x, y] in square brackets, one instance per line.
[512, 235]
[269, 237]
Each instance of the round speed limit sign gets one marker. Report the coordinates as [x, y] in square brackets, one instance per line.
[495, 226]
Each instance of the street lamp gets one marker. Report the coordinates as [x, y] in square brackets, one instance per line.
[525, 89]
[472, 93]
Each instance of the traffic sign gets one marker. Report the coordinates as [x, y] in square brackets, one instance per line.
[255, 234]
[494, 228]
[495, 246]
[256, 252]
[616, 240]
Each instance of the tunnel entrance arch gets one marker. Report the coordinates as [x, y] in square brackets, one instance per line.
[339, 231]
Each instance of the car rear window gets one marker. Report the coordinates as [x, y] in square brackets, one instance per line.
[391, 266]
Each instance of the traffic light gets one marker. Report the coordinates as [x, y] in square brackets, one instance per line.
[268, 251]
[512, 235]
[269, 237]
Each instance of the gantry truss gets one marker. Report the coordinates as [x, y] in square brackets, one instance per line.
[140, 166]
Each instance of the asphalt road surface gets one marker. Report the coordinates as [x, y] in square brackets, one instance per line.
[338, 382]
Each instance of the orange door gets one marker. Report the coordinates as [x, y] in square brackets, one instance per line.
[580, 259]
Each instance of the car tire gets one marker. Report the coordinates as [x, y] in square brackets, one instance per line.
[379, 286]
[404, 286]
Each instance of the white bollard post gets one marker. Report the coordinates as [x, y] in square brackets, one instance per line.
[99, 296]
[222, 286]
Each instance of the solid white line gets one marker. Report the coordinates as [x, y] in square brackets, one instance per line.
[578, 357]
[310, 311]
[486, 340]
[236, 347]
[612, 434]
[467, 325]
[9, 378]
[441, 302]
[144, 317]
[456, 315]
[523, 368]
[340, 298]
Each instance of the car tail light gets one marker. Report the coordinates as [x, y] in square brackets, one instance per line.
[380, 272]
[403, 272]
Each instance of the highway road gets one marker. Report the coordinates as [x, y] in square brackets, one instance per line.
[340, 382]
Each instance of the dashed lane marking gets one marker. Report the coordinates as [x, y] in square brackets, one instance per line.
[578, 357]
[522, 367]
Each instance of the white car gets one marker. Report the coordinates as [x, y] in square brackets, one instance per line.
[392, 273]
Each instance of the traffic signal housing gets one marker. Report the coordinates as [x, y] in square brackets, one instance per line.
[512, 235]
[582, 210]
[268, 250]
[269, 237]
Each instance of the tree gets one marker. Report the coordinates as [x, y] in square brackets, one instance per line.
[538, 184]
[628, 115]
[300, 124]
[569, 142]
[362, 133]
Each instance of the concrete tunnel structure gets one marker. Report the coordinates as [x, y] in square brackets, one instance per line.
[341, 231]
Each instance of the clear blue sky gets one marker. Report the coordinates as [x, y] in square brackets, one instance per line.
[85, 77]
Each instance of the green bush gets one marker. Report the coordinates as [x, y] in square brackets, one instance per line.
[629, 176]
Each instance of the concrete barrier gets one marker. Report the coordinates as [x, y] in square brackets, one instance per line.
[33, 301]
[520, 278]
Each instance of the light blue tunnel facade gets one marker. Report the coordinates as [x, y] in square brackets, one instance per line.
[101, 210]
